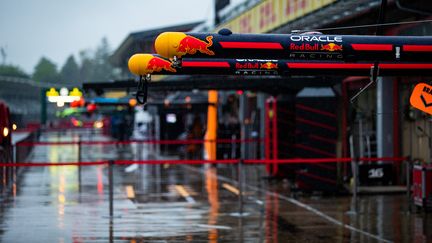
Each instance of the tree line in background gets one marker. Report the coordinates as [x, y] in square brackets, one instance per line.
[93, 66]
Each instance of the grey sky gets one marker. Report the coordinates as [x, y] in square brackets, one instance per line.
[57, 28]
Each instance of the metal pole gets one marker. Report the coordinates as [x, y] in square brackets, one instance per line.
[423, 186]
[140, 150]
[43, 110]
[240, 185]
[408, 182]
[355, 171]
[79, 161]
[111, 200]
[9, 169]
[111, 231]
[361, 140]
[233, 147]
[14, 153]
[111, 188]
[354, 165]
[241, 234]
[430, 141]
[15, 161]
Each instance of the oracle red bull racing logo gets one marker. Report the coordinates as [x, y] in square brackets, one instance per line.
[316, 47]
[331, 47]
[191, 45]
[256, 67]
[316, 38]
[255, 64]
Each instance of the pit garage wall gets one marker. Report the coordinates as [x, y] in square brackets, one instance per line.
[390, 116]
[394, 134]
[414, 143]
[384, 109]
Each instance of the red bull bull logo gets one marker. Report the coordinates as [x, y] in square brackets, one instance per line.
[269, 65]
[191, 45]
[331, 47]
[157, 64]
[170, 44]
[143, 64]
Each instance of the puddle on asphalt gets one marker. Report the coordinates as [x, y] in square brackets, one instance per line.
[55, 207]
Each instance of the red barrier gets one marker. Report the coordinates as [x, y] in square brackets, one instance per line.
[37, 164]
[226, 161]
[30, 144]
[298, 161]
[320, 160]
[383, 159]
[178, 162]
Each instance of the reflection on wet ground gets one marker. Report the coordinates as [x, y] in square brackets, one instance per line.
[161, 203]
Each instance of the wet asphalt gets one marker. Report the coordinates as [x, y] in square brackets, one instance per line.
[182, 203]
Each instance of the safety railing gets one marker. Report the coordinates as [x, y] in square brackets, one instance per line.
[9, 153]
[82, 144]
[169, 142]
[238, 162]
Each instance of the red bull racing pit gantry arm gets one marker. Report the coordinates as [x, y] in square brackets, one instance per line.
[278, 54]
[345, 48]
[144, 64]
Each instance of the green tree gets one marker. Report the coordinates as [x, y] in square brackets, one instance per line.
[95, 65]
[70, 72]
[46, 71]
[103, 69]
[87, 66]
[13, 71]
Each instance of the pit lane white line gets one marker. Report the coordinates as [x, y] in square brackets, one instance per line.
[299, 204]
[185, 194]
[235, 191]
[214, 226]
